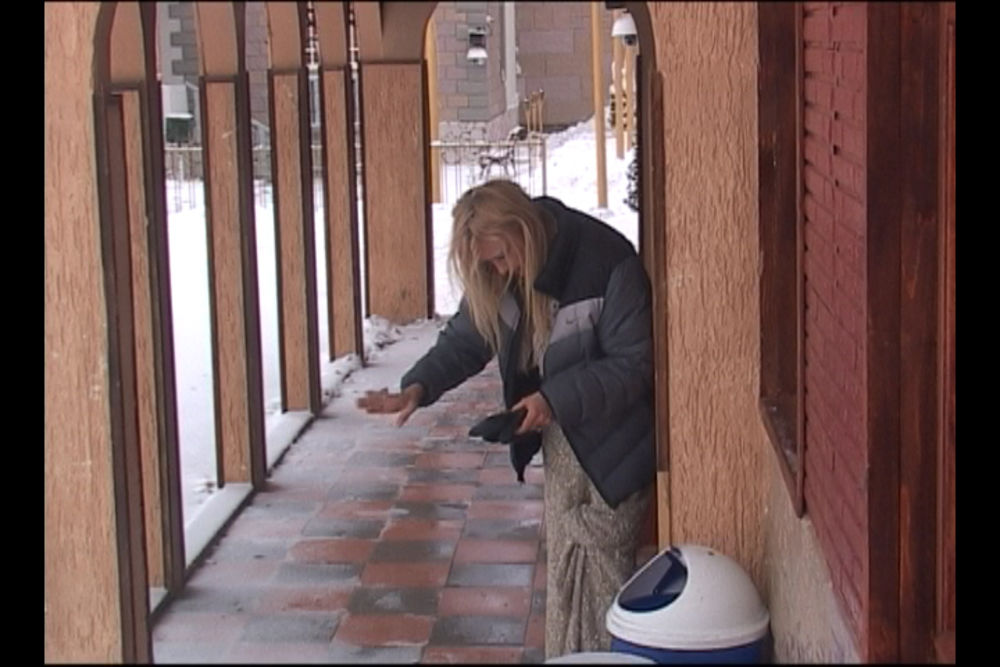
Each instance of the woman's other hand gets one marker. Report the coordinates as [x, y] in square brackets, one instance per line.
[538, 413]
[383, 402]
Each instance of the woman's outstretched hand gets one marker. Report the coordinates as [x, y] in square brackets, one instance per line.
[538, 412]
[382, 402]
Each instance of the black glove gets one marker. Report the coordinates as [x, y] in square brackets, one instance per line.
[499, 427]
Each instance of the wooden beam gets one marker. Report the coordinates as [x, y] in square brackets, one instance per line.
[248, 259]
[616, 76]
[145, 362]
[880, 635]
[596, 67]
[129, 556]
[226, 295]
[171, 511]
[654, 212]
[216, 29]
[285, 49]
[430, 55]
[919, 400]
[368, 30]
[331, 28]
[342, 250]
[628, 106]
[946, 572]
[294, 237]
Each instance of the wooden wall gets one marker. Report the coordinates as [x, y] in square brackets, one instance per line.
[395, 191]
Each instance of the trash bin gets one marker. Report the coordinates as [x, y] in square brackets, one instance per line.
[601, 658]
[689, 604]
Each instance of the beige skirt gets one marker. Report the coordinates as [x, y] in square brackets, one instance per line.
[590, 547]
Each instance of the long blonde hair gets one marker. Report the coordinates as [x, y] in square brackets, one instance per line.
[501, 209]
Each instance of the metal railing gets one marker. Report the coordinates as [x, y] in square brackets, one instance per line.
[464, 163]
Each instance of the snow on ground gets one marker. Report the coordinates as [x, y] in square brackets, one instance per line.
[389, 348]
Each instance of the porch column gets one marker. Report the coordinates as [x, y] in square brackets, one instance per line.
[343, 274]
[237, 374]
[291, 164]
[229, 216]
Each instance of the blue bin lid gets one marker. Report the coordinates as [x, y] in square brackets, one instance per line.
[688, 598]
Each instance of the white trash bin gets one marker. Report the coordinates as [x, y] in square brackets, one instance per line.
[689, 604]
[600, 658]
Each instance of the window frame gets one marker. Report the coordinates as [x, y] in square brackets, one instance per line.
[782, 289]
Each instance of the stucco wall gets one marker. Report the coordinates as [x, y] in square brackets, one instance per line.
[707, 54]
[806, 624]
[81, 582]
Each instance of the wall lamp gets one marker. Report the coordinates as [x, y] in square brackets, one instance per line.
[624, 27]
[477, 46]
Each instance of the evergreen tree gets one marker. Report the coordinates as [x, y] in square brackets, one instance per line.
[632, 200]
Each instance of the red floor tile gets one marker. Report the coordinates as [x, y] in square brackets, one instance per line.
[437, 492]
[540, 577]
[505, 509]
[343, 550]
[448, 460]
[534, 634]
[376, 474]
[385, 629]
[303, 599]
[496, 551]
[468, 655]
[498, 476]
[481, 601]
[422, 529]
[358, 536]
[356, 509]
[413, 575]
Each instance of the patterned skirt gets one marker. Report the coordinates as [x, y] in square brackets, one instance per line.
[591, 550]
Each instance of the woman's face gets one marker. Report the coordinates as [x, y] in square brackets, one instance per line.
[498, 251]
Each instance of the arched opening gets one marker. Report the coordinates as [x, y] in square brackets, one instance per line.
[524, 110]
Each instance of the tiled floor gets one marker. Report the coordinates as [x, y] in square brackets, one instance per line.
[372, 543]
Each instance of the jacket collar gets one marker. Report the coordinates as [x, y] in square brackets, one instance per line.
[552, 278]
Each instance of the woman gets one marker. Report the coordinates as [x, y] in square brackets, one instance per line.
[564, 302]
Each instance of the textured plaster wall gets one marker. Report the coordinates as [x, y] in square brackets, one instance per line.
[707, 53]
[81, 580]
[807, 625]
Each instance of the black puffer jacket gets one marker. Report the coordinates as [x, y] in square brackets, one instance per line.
[597, 372]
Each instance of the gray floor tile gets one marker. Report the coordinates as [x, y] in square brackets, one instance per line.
[290, 628]
[502, 529]
[327, 527]
[477, 630]
[421, 601]
[318, 573]
[412, 551]
[491, 574]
